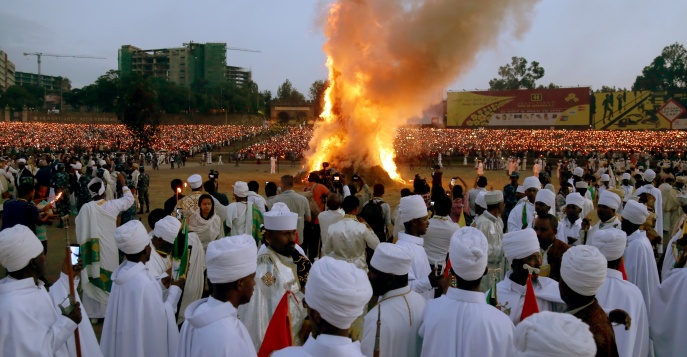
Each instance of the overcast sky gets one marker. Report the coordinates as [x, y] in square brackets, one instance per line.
[578, 42]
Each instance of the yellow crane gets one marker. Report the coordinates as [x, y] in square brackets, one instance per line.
[41, 54]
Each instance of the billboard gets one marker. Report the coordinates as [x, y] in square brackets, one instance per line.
[639, 110]
[545, 108]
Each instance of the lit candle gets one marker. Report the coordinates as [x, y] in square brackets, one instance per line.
[178, 191]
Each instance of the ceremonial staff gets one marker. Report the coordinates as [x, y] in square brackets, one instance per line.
[70, 275]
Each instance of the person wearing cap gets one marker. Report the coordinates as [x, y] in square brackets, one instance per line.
[671, 208]
[240, 213]
[297, 203]
[461, 323]
[553, 334]
[480, 206]
[679, 230]
[545, 202]
[399, 308]
[282, 266]
[522, 214]
[30, 323]
[480, 185]
[439, 232]
[161, 244]
[522, 247]
[605, 183]
[626, 184]
[139, 322]
[336, 295]
[190, 202]
[617, 293]
[509, 196]
[583, 271]
[609, 203]
[491, 225]
[582, 187]
[648, 187]
[569, 227]
[640, 263]
[95, 230]
[212, 326]
[413, 216]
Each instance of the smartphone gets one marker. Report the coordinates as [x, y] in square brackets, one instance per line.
[453, 182]
[76, 252]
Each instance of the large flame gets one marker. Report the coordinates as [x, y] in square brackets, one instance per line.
[390, 59]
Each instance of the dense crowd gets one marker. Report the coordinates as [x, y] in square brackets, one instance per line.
[292, 141]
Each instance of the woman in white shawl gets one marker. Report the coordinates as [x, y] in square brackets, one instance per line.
[205, 223]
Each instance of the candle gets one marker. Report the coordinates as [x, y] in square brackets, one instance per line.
[177, 193]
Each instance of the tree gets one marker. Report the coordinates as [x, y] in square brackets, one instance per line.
[317, 90]
[667, 72]
[517, 75]
[138, 107]
[288, 94]
[17, 96]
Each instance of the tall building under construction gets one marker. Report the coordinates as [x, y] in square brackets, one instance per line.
[184, 66]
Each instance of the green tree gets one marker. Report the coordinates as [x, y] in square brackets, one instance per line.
[317, 90]
[137, 106]
[667, 72]
[288, 94]
[17, 96]
[517, 75]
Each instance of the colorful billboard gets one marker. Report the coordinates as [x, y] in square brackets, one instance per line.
[637, 110]
[545, 108]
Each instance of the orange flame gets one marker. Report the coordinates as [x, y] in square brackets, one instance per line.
[178, 189]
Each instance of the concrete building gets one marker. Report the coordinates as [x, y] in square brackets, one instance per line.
[7, 71]
[50, 83]
[238, 75]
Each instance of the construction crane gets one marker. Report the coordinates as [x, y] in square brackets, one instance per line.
[41, 54]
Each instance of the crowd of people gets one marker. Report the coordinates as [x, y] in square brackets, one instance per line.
[291, 142]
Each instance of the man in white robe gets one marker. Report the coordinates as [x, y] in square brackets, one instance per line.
[461, 323]
[640, 263]
[491, 225]
[212, 326]
[681, 230]
[553, 334]
[162, 237]
[626, 185]
[333, 214]
[522, 215]
[606, 209]
[616, 293]
[138, 321]
[439, 232]
[571, 224]
[582, 187]
[649, 177]
[399, 309]
[95, 228]
[240, 212]
[348, 238]
[110, 188]
[29, 323]
[336, 294]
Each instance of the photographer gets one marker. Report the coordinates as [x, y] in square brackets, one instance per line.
[212, 185]
[362, 189]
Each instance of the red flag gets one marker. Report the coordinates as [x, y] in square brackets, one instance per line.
[278, 333]
[447, 270]
[621, 269]
[530, 306]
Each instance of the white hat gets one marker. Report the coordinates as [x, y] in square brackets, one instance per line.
[553, 334]
[279, 218]
[520, 189]
[167, 229]
[102, 162]
[610, 199]
[131, 237]
[625, 176]
[546, 197]
[605, 178]
[391, 259]
[480, 200]
[195, 181]
[531, 182]
[649, 175]
[635, 212]
[22, 161]
[581, 184]
[610, 242]
[578, 171]
[231, 258]
[76, 166]
[412, 207]
[493, 197]
[520, 244]
[468, 252]
[338, 291]
[99, 190]
[574, 199]
[240, 189]
[18, 245]
[583, 269]
[91, 163]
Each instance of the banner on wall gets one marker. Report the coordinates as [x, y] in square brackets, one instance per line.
[638, 110]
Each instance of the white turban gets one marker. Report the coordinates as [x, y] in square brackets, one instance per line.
[480, 200]
[231, 258]
[493, 197]
[412, 207]
[553, 334]
[100, 189]
[605, 178]
[18, 245]
[531, 182]
[167, 229]
[546, 197]
[625, 176]
[338, 291]
[240, 189]
[574, 199]
[610, 199]
[195, 181]
[649, 175]
[280, 218]
[635, 212]
[520, 244]
[468, 252]
[578, 171]
[610, 242]
[520, 189]
[131, 237]
[583, 269]
[391, 259]
[22, 161]
[102, 162]
[581, 184]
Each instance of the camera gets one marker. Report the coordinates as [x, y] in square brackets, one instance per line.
[179, 213]
[337, 178]
[356, 177]
[213, 175]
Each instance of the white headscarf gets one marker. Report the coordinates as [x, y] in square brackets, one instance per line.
[131, 237]
[338, 291]
[231, 258]
[583, 269]
[578, 171]
[520, 244]
[100, 189]
[18, 245]
[468, 252]
[481, 200]
[531, 182]
[546, 197]
[610, 199]
[412, 207]
[574, 199]
[635, 212]
[167, 229]
[649, 175]
[240, 189]
[552, 334]
[391, 259]
[610, 242]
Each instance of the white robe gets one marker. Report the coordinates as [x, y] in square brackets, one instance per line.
[669, 260]
[212, 328]
[515, 216]
[138, 321]
[110, 185]
[195, 276]
[240, 218]
[323, 345]
[511, 295]
[461, 323]
[611, 223]
[658, 205]
[640, 264]
[418, 276]
[616, 293]
[667, 317]
[401, 318]
[29, 323]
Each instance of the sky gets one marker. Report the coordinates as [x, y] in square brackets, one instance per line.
[578, 42]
